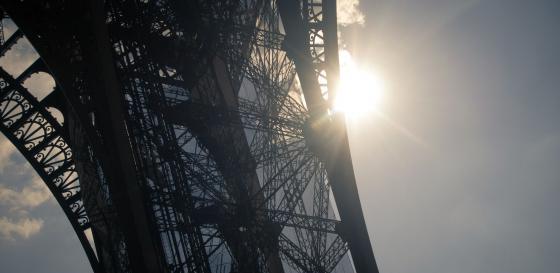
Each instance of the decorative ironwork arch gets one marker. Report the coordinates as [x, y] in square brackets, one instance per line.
[201, 172]
[43, 141]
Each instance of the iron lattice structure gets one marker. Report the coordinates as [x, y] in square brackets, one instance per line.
[188, 136]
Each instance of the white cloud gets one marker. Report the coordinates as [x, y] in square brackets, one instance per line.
[19, 203]
[6, 151]
[348, 12]
[23, 228]
[29, 197]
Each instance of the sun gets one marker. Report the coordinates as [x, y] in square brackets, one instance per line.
[359, 91]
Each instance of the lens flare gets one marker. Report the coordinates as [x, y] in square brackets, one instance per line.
[359, 91]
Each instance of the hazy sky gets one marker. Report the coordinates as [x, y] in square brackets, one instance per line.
[462, 172]
[465, 175]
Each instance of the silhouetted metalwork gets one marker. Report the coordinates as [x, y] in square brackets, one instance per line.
[188, 136]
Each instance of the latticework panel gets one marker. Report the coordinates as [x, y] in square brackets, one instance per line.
[191, 132]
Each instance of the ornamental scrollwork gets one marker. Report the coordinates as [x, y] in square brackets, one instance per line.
[34, 130]
[37, 134]
[12, 107]
[3, 84]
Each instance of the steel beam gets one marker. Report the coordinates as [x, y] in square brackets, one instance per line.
[328, 134]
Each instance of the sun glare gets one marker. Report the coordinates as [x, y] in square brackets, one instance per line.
[360, 90]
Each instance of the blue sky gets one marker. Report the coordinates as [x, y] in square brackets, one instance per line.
[461, 174]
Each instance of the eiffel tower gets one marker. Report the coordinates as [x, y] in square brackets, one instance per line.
[188, 136]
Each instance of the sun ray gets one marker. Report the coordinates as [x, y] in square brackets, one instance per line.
[360, 90]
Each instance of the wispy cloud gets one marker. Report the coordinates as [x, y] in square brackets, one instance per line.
[17, 202]
[24, 228]
[6, 151]
[30, 196]
[349, 13]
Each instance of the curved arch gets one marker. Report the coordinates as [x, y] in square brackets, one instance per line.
[44, 143]
[57, 114]
[40, 138]
[40, 84]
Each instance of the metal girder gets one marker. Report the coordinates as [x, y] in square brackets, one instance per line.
[193, 133]
[66, 51]
[311, 42]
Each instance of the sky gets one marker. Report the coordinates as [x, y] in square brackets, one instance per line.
[457, 172]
